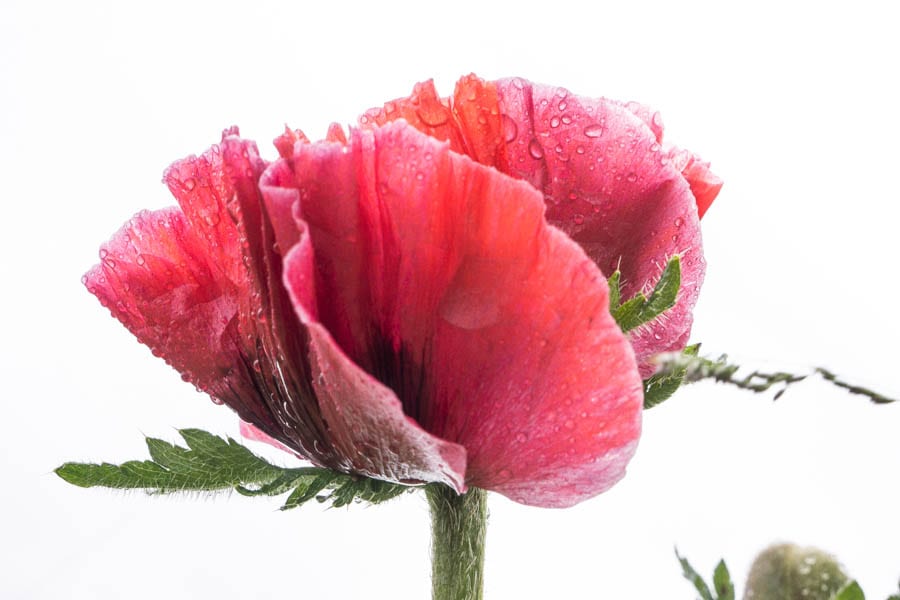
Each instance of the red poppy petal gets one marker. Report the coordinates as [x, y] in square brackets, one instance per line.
[606, 180]
[424, 110]
[705, 184]
[609, 185]
[365, 419]
[154, 277]
[251, 432]
[442, 279]
[196, 286]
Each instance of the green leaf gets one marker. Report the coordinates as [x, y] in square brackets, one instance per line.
[697, 368]
[210, 463]
[722, 582]
[851, 591]
[615, 289]
[640, 309]
[691, 575]
[660, 387]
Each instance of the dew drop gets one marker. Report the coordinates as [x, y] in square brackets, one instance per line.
[657, 336]
[535, 149]
[434, 117]
[140, 260]
[190, 183]
[578, 218]
[679, 222]
[593, 131]
[510, 130]
[554, 122]
[257, 366]
[579, 149]
[216, 401]
[631, 177]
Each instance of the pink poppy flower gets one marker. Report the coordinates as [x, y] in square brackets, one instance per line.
[608, 179]
[384, 305]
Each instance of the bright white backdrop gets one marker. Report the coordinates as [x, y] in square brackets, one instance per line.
[796, 107]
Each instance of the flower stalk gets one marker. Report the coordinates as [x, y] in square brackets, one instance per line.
[458, 527]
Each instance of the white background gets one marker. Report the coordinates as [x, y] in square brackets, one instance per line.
[797, 109]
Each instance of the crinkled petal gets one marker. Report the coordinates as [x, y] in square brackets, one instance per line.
[195, 285]
[609, 186]
[441, 279]
[366, 423]
[606, 179]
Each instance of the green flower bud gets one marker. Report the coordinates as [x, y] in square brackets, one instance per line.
[788, 572]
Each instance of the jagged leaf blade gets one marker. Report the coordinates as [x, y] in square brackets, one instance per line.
[210, 463]
[660, 387]
[642, 309]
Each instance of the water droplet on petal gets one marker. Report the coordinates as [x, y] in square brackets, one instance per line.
[510, 130]
[190, 184]
[578, 218]
[433, 117]
[631, 177]
[535, 149]
[593, 131]
[679, 222]
[554, 122]
[140, 260]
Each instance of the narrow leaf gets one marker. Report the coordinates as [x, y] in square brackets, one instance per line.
[615, 290]
[691, 575]
[722, 582]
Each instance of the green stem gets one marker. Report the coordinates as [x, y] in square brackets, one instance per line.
[458, 526]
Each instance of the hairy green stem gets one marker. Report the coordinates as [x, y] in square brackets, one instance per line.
[458, 527]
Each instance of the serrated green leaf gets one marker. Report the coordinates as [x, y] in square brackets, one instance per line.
[640, 309]
[211, 463]
[691, 575]
[851, 591]
[722, 582]
[307, 491]
[660, 387]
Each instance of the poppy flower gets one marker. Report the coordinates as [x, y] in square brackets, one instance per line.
[607, 177]
[395, 303]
